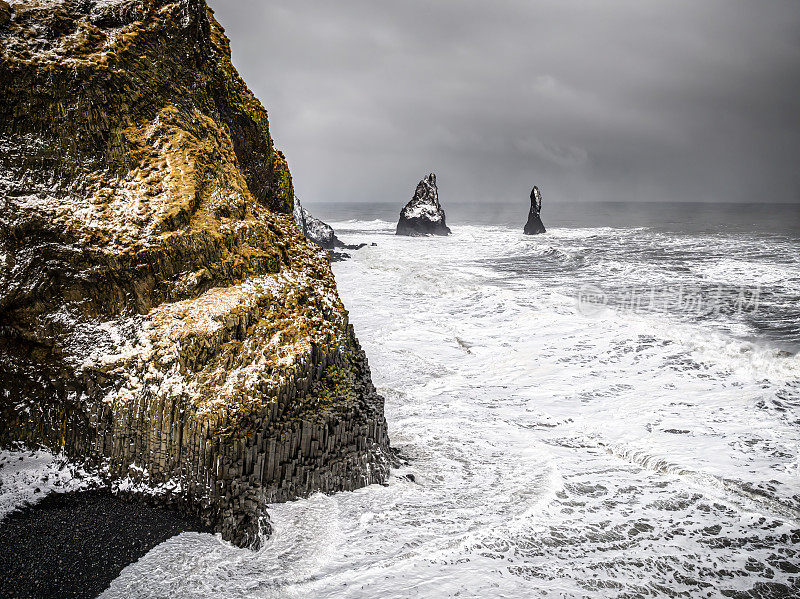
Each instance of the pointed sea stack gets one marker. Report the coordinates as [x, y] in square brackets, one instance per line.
[423, 215]
[534, 226]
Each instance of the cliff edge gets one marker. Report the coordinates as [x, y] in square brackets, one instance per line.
[161, 316]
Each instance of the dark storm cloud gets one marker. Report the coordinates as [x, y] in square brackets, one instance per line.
[591, 100]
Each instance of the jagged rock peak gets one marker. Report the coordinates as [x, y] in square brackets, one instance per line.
[534, 226]
[423, 215]
[314, 229]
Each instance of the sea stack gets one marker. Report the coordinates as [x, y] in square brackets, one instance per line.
[534, 226]
[162, 320]
[423, 215]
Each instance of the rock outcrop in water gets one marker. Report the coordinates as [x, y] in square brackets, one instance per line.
[314, 229]
[534, 226]
[321, 233]
[161, 316]
[423, 215]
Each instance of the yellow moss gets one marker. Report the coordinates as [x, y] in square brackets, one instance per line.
[166, 206]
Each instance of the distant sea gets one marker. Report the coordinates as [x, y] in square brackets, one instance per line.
[674, 216]
[610, 409]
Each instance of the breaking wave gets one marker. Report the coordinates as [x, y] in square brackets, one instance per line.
[637, 450]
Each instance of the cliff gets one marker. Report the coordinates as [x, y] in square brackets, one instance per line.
[161, 316]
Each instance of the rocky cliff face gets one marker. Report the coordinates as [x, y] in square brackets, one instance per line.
[314, 229]
[161, 315]
[534, 225]
[423, 215]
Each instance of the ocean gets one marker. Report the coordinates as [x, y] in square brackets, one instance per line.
[611, 409]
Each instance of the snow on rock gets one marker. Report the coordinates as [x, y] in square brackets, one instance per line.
[163, 316]
[28, 476]
[314, 229]
[423, 215]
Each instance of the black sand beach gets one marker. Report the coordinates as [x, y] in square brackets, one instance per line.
[74, 545]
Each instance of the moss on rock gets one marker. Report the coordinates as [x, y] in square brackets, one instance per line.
[160, 313]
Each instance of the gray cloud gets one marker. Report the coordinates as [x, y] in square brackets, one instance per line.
[593, 100]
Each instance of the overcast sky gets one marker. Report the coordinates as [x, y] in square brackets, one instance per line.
[677, 100]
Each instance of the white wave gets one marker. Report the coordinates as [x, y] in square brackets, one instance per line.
[552, 452]
[752, 273]
[362, 225]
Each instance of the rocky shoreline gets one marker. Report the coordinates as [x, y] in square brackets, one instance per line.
[322, 234]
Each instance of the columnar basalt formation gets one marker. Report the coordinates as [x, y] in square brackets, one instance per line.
[534, 226]
[161, 315]
[423, 215]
